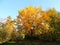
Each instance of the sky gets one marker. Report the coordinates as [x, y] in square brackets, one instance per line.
[11, 7]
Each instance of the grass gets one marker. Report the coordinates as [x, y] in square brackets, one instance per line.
[32, 42]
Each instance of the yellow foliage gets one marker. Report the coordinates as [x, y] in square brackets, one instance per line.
[33, 16]
[46, 26]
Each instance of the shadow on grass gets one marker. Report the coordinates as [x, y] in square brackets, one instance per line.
[32, 42]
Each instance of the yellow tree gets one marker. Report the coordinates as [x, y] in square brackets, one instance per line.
[8, 27]
[30, 18]
[36, 21]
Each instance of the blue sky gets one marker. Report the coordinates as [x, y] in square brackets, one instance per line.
[11, 7]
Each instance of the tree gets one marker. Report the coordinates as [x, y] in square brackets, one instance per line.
[7, 29]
